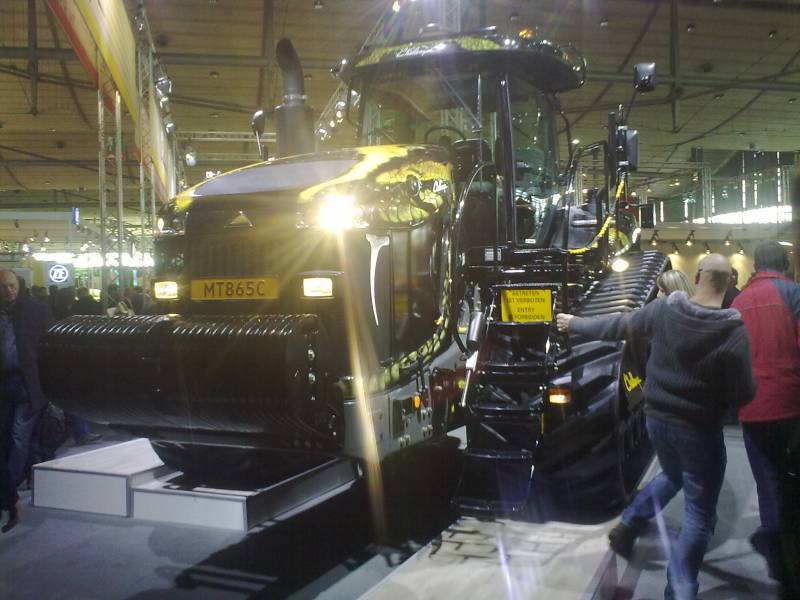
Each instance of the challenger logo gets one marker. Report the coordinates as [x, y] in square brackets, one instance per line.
[631, 381]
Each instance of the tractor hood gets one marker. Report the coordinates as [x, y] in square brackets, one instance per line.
[393, 184]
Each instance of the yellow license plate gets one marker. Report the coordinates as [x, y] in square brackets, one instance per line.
[526, 306]
[261, 288]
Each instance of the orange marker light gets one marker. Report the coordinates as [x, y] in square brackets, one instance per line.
[559, 395]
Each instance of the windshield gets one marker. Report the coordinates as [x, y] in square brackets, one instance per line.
[429, 107]
[462, 111]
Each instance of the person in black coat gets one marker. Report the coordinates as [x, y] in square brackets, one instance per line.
[23, 322]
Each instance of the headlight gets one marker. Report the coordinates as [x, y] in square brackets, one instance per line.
[166, 290]
[340, 212]
[317, 287]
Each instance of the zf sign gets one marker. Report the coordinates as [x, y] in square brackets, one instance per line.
[58, 274]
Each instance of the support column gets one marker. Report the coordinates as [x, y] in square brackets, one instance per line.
[101, 171]
[120, 197]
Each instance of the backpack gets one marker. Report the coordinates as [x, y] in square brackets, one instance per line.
[50, 432]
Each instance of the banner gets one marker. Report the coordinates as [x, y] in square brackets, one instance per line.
[101, 35]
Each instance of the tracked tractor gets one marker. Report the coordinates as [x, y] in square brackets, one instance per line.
[362, 301]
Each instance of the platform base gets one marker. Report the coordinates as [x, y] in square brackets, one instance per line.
[171, 499]
[98, 481]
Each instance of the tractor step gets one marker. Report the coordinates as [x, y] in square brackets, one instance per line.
[494, 481]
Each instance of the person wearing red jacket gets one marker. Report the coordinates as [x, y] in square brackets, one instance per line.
[770, 309]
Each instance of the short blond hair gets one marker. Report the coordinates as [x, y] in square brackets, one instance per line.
[675, 281]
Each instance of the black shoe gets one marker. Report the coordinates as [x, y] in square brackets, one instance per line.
[13, 518]
[622, 538]
[760, 544]
[88, 438]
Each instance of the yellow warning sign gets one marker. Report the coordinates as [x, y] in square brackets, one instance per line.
[527, 306]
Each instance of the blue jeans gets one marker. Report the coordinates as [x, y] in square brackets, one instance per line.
[20, 419]
[694, 461]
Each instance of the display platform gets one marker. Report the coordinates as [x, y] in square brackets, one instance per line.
[171, 499]
[98, 481]
[129, 480]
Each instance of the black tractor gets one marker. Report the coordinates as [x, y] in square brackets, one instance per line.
[363, 301]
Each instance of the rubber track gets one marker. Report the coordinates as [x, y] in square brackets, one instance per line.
[626, 291]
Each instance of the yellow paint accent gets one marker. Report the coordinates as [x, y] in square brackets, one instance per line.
[527, 305]
[631, 381]
[467, 43]
[372, 157]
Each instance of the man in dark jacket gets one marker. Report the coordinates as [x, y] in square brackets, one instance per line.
[23, 322]
[770, 308]
[699, 363]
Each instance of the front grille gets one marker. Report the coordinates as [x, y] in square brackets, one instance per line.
[233, 257]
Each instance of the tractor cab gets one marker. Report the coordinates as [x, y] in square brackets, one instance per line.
[489, 101]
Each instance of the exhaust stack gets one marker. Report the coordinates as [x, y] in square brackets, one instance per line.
[293, 118]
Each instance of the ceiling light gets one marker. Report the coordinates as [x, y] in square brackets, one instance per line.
[690, 28]
[604, 22]
[772, 33]
[708, 248]
[675, 249]
[396, 6]
[728, 239]
[215, 115]
[792, 100]
[319, 5]
[786, 243]
[214, 74]
[654, 239]
[690, 238]
[46, 238]
[741, 249]
[576, 141]
[718, 96]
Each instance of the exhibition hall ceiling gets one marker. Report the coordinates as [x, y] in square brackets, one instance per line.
[729, 76]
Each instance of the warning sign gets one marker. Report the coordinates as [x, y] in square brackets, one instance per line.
[527, 306]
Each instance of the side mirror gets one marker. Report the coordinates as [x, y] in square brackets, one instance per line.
[644, 77]
[257, 124]
[627, 149]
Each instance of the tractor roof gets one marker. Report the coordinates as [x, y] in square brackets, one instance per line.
[549, 66]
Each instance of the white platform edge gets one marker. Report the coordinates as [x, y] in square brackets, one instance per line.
[79, 483]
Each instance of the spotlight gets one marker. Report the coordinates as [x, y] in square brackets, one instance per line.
[741, 249]
[46, 238]
[728, 241]
[319, 5]
[708, 248]
[654, 239]
[396, 6]
[163, 86]
[190, 157]
[16, 223]
[675, 249]
[690, 238]
[620, 265]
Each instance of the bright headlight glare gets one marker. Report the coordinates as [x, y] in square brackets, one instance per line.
[559, 395]
[166, 290]
[619, 265]
[317, 287]
[339, 212]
